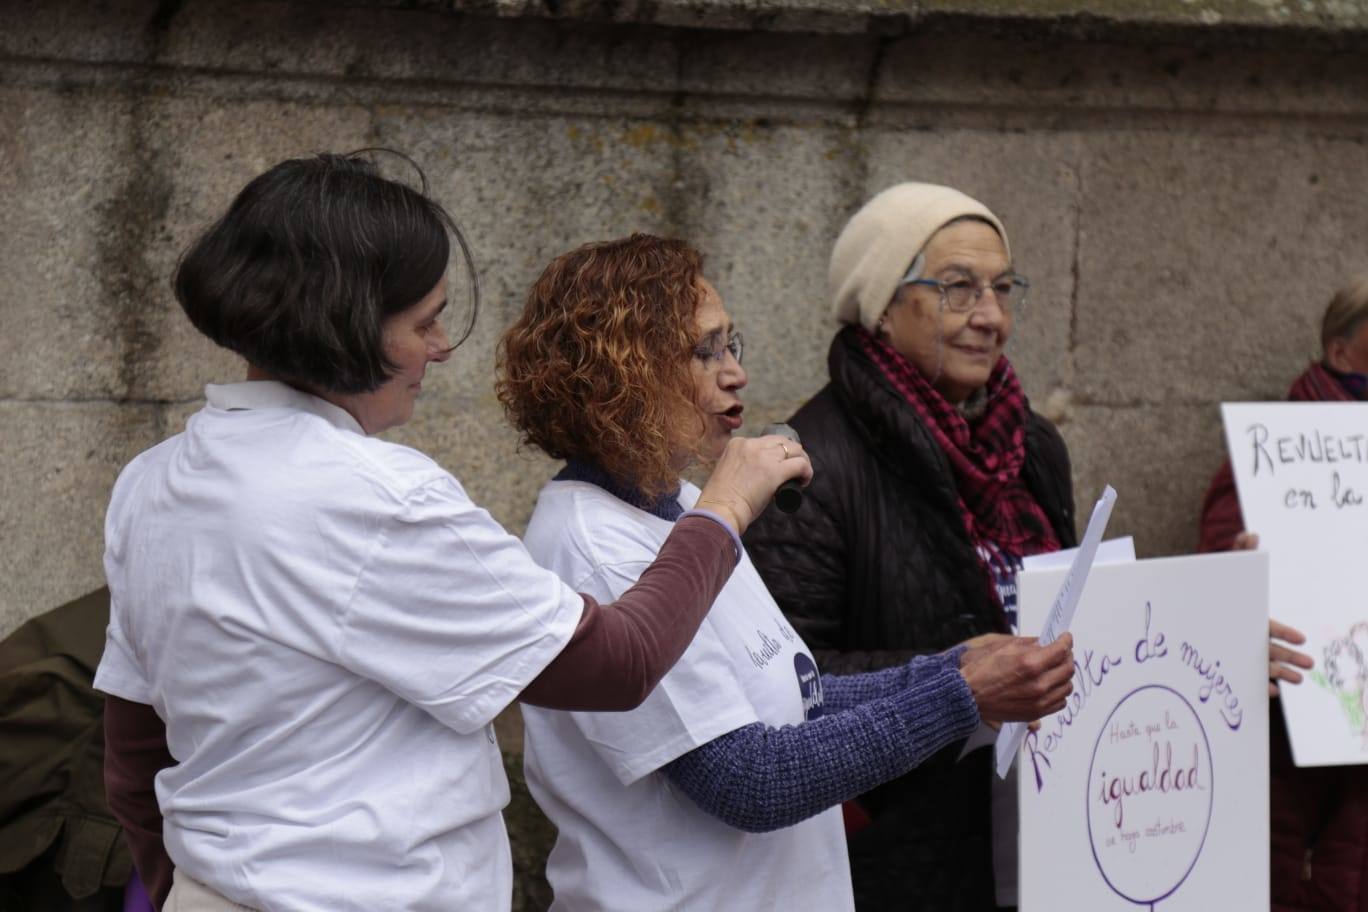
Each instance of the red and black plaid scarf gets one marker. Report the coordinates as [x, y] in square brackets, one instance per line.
[1318, 384]
[986, 457]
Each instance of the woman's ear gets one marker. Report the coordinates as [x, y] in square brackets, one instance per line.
[1334, 354]
[883, 329]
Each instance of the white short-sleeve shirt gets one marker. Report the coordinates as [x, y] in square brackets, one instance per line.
[328, 626]
[628, 839]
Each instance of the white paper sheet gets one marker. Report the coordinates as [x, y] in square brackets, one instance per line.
[1061, 614]
[1112, 551]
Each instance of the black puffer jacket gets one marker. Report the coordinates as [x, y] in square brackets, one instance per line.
[875, 567]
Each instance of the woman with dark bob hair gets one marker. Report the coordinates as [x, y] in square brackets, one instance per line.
[311, 629]
[721, 790]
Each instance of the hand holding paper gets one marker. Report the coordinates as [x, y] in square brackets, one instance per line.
[1020, 680]
[979, 647]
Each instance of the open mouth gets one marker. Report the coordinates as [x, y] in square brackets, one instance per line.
[731, 418]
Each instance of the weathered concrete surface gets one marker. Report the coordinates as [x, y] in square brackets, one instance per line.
[1166, 455]
[61, 332]
[1182, 181]
[1191, 316]
[60, 460]
[1173, 19]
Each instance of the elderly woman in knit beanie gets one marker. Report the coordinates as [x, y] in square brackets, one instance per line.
[933, 479]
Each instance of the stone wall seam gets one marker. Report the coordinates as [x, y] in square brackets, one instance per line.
[683, 107]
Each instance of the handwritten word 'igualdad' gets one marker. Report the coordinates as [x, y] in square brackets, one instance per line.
[1088, 675]
[1314, 447]
[1115, 789]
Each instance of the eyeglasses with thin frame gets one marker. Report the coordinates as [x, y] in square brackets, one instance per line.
[962, 294]
[713, 357]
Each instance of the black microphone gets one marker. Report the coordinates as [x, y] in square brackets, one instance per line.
[789, 497]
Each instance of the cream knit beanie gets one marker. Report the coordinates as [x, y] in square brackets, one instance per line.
[880, 242]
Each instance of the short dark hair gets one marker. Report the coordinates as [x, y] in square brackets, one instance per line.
[312, 256]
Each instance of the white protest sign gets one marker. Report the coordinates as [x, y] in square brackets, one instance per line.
[1062, 612]
[1111, 551]
[1301, 469]
[1150, 787]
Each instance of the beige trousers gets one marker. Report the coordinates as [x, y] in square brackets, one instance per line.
[189, 895]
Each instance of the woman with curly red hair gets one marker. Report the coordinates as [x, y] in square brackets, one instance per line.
[721, 789]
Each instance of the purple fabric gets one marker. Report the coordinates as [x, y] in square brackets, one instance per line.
[135, 895]
[757, 778]
[666, 506]
[842, 692]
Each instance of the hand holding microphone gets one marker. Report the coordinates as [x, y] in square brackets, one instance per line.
[789, 497]
[750, 471]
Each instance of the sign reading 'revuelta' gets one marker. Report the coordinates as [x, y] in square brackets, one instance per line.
[1161, 753]
[1301, 469]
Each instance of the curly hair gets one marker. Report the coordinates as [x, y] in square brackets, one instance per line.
[597, 366]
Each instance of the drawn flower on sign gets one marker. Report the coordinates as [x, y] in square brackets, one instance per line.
[1344, 673]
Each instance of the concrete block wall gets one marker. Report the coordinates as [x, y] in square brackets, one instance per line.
[1185, 200]
[1184, 210]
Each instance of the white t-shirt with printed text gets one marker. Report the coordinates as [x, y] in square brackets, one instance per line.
[628, 839]
[328, 626]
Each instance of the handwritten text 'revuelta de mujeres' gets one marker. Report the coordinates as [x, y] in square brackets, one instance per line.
[1090, 673]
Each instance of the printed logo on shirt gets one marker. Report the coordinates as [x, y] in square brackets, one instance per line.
[809, 685]
[1003, 565]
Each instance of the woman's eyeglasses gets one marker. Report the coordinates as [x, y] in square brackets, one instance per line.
[962, 294]
[713, 355]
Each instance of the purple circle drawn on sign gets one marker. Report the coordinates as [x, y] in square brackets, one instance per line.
[1087, 798]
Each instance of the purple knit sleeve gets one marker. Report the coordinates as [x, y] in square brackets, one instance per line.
[841, 692]
[757, 778]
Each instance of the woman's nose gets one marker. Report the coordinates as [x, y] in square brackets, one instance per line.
[733, 375]
[988, 311]
[439, 345]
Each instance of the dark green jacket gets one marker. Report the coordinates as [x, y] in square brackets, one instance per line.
[52, 751]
